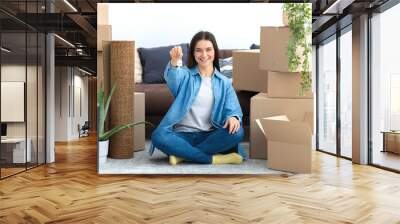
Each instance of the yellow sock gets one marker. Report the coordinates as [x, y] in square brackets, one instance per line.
[232, 158]
[173, 160]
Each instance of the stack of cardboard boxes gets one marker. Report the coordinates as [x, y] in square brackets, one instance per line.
[281, 121]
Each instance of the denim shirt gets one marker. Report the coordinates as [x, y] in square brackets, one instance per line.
[184, 83]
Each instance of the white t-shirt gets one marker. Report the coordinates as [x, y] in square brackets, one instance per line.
[199, 116]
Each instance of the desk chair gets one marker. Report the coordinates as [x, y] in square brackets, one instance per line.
[84, 130]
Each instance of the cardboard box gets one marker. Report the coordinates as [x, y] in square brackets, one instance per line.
[273, 45]
[289, 142]
[104, 33]
[139, 115]
[262, 106]
[246, 73]
[103, 14]
[286, 85]
[103, 67]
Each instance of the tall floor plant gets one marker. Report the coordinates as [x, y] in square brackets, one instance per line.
[103, 110]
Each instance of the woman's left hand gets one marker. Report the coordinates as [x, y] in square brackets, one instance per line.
[232, 124]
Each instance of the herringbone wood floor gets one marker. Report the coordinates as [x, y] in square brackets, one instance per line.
[70, 191]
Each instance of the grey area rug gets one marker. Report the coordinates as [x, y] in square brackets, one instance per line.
[158, 163]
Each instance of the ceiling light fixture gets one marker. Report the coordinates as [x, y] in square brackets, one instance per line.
[84, 71]
[70, 5]
[5, 50]
[80, 51]
[337, 7]
[65, 41]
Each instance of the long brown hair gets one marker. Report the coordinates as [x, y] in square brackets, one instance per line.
[203, 35]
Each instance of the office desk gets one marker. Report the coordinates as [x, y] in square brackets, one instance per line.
[16, 148]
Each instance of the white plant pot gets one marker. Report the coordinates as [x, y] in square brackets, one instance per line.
[103, 151]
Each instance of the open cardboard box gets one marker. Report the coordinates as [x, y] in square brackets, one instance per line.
[289, 142]
[262, 106]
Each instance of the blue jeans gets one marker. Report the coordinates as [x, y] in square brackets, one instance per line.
[198, 147]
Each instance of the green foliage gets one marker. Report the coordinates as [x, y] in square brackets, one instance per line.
[299, 21]
[103, 110]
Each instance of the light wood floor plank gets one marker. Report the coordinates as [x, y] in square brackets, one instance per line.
[70, 191]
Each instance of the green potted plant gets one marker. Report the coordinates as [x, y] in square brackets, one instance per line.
[104, 136]
[299, 47]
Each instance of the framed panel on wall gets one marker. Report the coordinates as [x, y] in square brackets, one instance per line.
[12, 101]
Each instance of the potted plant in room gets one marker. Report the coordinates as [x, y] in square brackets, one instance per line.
[299, 47]
[104, 136]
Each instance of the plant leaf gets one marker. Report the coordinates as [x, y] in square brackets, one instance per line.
[100, 106]
[107, 135]
[109, 99]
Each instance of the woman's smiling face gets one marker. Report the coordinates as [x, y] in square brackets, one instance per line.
[204, 53]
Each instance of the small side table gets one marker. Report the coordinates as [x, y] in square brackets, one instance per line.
[391, 141]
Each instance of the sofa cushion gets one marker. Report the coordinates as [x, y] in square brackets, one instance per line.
[158, 99]
[225, 53]
[154, 61]
[225, 65]
[254, 46]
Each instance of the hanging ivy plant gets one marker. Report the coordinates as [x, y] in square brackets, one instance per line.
[299, 46]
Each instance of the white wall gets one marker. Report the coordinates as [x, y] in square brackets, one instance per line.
[15, 73]
[68, 82]
[10, 72]
[61, 103]
[235, 25]
[80, 83]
